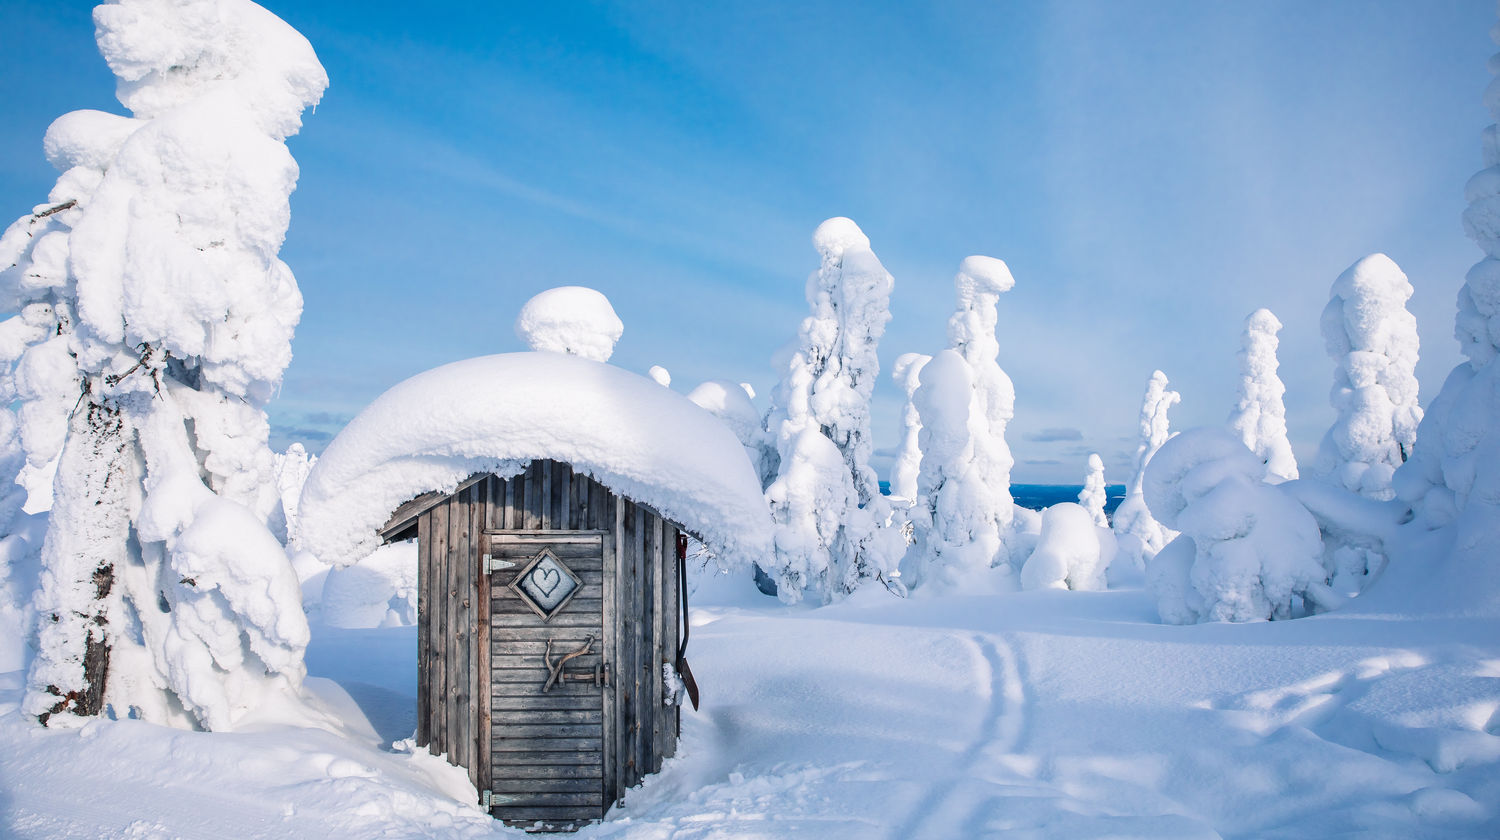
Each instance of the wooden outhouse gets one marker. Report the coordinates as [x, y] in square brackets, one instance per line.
[549, 495]
[549, 634]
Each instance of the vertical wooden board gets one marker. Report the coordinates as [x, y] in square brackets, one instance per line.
[562, 483]
[624, 695]
[662, 607]
[468, 561]
[546, 503]
[578, 501]
[424, 616]
[458, 520]
[648, 675]
[482, 664]
[611, 648]
[671, 600]
[516, 500]
[656, 553]
[533, 496]
[438, 652]
[602, 507]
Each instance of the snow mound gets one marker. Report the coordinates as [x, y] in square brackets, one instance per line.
[1069, 553]
[497, 413]
[571, 319]
[983, 274]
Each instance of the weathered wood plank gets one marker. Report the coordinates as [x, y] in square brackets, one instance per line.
[565, 550]
[562, 492]
[512, 606]
[510, 718]
[526, 731]
[525, 798]
[568, 640]
[549, 785]
[458, 538]
[424, 634]
[593, 535]
[537, 488]
[553, 771]
[546, 744]
[545, 758]
[656, 552]
[480, 657]
[551, 700]
[571, 616]
[545, 470]
[440, 624]
[601, 509]
[547, 815]
[641, 626]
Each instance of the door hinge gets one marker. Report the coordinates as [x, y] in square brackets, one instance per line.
[490, 799]
[492, 564]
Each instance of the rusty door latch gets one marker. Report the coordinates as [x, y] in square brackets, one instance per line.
[557, 672]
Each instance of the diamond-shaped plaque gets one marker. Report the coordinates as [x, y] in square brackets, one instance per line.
[546, 585]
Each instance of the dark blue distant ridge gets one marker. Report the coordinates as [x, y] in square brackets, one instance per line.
[1040, 496]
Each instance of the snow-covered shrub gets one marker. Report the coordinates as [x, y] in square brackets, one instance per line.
[1259, 414]
[964, 514]
[1094, 495]
[660, 376]
[378, 591]
[1070, 553]
[731, 404]
[571, 319]
[1247, 550]
[1373, 341]
[1139, 534]
[162, 592]
[825, 391]
[908, 463]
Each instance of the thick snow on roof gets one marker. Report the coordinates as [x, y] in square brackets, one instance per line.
[571, 319]
[496, 413]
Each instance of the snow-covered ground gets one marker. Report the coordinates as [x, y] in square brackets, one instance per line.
[1040, 714]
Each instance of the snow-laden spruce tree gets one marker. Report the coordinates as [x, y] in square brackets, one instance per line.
[163, 592]
[1259, 414]
[1451, 479]
[1140, 535]
[908, 464]
[1246, 551]
[832, 535]
[1373, 341]
[1093, 496]
[964, 509]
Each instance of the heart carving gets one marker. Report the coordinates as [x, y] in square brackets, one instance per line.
[546, 580]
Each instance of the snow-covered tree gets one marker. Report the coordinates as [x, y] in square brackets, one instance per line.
[1139, 534]
[1373, 341]
[163, 592]
[908, 463]
[965, 510]
[1259, 415]
[1093, 496]
[1451, 480]
[1247, 551]
[289, 470]
[825, 392]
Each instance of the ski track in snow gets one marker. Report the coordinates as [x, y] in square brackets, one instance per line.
[999, 733]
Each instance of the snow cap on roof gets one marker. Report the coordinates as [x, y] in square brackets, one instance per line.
[571, 319]
[496, 413]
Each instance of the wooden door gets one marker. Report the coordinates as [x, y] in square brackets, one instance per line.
[550, 725]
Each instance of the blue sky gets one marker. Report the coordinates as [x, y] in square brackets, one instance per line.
[1151, 172]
